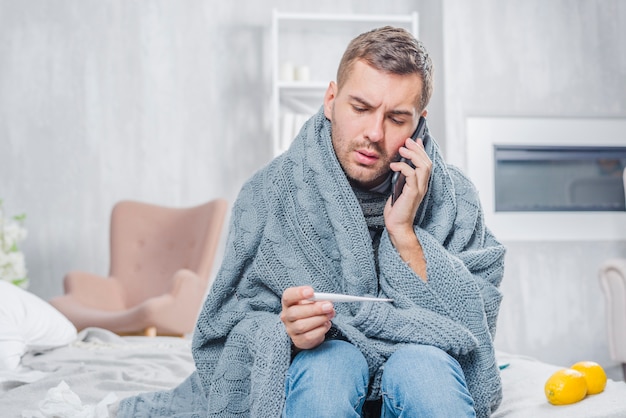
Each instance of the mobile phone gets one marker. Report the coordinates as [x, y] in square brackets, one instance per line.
[398, 179]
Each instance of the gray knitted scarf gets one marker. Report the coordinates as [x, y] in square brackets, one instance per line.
[298, 222]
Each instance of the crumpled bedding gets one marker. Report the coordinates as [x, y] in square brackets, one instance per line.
[99, 363]
[63, 402]
[96, 364]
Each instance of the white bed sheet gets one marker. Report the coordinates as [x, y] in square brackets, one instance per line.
[100, 362]
[523, 393]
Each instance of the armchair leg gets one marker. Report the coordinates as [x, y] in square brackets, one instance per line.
[149, 332]
[624, 370]
[146, 332]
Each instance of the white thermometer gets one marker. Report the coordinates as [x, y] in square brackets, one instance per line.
[336, 297]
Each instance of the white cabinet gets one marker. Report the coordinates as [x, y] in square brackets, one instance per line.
[306, 51]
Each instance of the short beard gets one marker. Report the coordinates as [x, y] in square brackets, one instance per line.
[361, 183]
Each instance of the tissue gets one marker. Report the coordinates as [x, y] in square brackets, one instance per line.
[61, 402]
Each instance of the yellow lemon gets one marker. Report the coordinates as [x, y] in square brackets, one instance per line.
[566, 386]
[594, 375]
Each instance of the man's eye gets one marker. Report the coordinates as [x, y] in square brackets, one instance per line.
[397, 121]
[359, 109]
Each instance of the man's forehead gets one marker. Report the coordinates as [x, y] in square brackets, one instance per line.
[372, 87]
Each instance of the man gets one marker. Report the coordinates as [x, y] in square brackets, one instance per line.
[319, 218]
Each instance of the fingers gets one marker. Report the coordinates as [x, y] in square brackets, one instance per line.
[306, 322]
[419, 176]
[414, 151]
[312, 338]
[294, 295]
[309, 332]
[399, 217]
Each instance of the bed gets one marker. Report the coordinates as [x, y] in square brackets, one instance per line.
[101, 368]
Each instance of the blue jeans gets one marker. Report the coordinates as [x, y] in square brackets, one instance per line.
[331, 380]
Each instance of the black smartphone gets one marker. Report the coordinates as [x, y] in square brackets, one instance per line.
[398, 179]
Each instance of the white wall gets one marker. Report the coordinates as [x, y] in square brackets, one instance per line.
[538, 58]
[108, 100]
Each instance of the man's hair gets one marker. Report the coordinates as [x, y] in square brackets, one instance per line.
[392, 50]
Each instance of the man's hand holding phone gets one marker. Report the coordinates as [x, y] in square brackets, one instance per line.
[412, 172]
[416, 179]
[399, 178]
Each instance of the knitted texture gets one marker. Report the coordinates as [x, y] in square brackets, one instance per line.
[298, 222]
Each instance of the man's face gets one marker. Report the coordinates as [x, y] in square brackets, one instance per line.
[372, 116]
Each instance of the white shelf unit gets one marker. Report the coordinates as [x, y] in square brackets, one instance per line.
[315, 41]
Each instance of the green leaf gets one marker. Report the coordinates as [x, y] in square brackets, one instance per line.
[20, 282]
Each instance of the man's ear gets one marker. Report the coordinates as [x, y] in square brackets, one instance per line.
[425, 112]
[329, 99]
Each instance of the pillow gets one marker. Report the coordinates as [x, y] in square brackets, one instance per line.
[28, 323]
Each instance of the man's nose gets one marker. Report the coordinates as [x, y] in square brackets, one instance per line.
[375, 130]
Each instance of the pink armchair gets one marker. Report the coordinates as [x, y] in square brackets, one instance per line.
[613, 282]
[161, 259]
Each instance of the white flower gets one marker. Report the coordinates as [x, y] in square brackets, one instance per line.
[12, 235]
[12, 267]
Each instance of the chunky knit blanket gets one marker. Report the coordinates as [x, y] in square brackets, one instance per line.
[298, 222]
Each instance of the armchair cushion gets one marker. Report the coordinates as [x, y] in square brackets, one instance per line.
[98, 292]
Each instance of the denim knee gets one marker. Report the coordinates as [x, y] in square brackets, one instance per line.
[424, 380]
[424, 357]
[330, 380]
